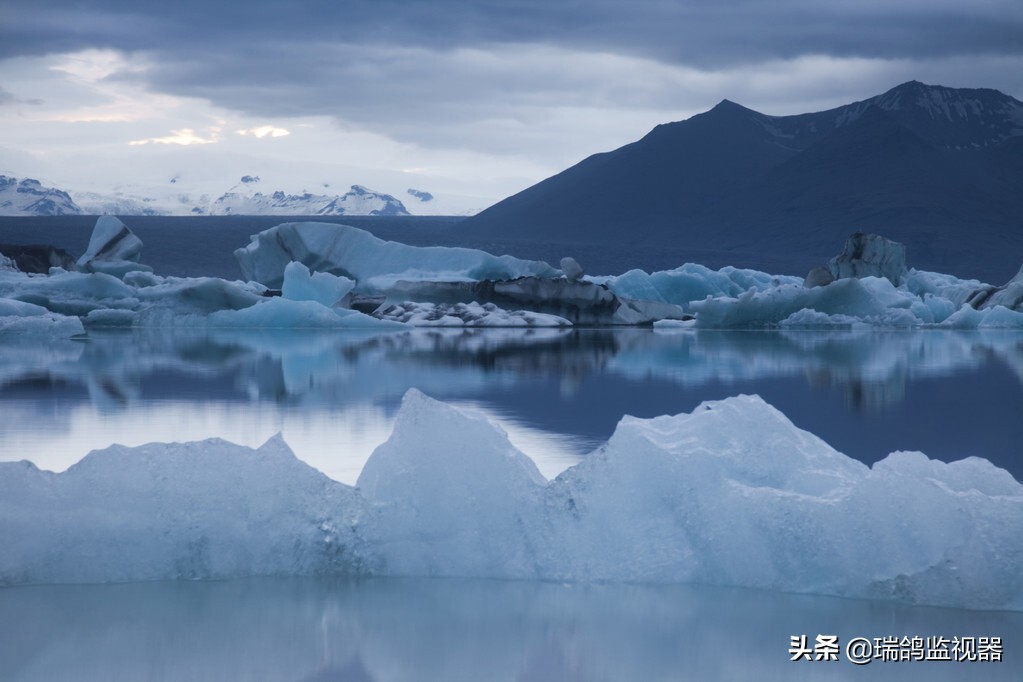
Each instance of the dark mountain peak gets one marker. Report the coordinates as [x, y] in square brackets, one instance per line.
[935, 166]
[952, 118]
[730, 108]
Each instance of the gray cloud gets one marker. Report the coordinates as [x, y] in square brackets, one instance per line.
[450, 73]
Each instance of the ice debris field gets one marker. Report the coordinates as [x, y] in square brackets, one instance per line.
[730, 494]
[319, 275]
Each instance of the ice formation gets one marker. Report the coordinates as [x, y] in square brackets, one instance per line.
[466, 315]
[338, 268]
[732, 493]
[372, 262]
[578, 301]
[207, 510]
[864, 255]
[113, 249]
[302, 285]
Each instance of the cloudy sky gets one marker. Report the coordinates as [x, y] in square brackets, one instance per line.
[479, 99]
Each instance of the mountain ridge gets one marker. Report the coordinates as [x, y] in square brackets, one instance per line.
[935, 167]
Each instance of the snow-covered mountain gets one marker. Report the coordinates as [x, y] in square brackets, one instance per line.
[357, 201]
[30, 197]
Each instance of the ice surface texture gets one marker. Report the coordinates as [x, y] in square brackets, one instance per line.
[372, 262]
[731, 494]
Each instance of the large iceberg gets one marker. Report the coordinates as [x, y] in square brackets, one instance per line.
[372, 262]
[732, 493]
[201, 510]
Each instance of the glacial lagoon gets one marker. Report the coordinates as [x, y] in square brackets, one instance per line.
[559, 394]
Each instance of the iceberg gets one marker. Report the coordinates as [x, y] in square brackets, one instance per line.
[113, 249]
[283, 313]
[691, 282]
[731, 493]
[465, 315]
[203, 510]
[372, 262]
[302, 285]
[19, 317]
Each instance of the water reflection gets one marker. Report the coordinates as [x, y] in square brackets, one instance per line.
[559, 392]
[419, 629]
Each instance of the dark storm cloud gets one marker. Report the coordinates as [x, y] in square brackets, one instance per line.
[406, 65]
[695, 31]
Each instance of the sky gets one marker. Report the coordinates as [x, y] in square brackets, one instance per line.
[472, 100]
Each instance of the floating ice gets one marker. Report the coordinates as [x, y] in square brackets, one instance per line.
[113, 249]
[692, 282]
[18, 317]
[732, 493]
[206, 510]
[283, 313]
[302, 285]
[339, 266]
[466, 315]
[372, 262]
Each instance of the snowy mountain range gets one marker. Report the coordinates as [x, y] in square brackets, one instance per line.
[28, 197]
[937, 168]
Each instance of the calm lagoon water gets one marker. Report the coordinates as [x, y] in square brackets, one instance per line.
[460, 630]
[559, 393]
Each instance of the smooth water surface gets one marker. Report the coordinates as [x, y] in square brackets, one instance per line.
[559, 393]
[452, 630]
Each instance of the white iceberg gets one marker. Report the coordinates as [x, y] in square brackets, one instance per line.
[692, 282]
[201, 510]
[373, 263]
[113, 249]
[730, 494]
[302, 285]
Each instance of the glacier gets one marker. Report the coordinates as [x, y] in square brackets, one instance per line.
[730, 494]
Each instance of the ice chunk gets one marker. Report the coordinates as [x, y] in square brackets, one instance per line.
[872, 299]
[302, 285]
[732, 493]
[452, 495]
[579, 301]
[692, 282]
[466, 315]
[283, 313]
[372, 262]
[997, 317]
[208, 509]
[19, 317]
[863, 255]
[570, 266]
[113, 249]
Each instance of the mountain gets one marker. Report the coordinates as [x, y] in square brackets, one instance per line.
[29, 197]
[357, 201]
[937, 168]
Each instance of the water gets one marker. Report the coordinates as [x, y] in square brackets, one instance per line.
[559, 393]
[423, 630]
